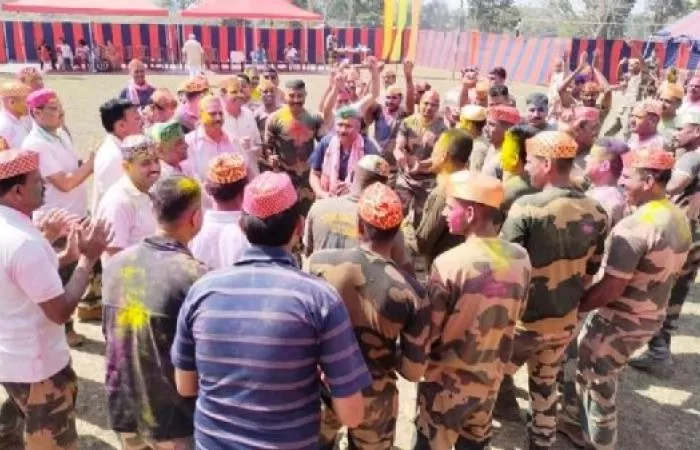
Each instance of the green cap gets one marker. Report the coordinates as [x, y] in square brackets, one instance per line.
[166, 133]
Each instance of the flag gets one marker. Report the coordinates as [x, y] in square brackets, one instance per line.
[415, 26]
[389, 13]
[401, 20]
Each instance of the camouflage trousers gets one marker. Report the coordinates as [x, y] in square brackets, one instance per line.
[376, 432]
[454, 412]
[660, 343]
[604, 348]
[567, 374]
[413, 195]
[42, 415]
[543, 355]
[134, 441]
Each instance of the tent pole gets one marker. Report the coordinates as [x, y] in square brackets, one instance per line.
[92, 57]
[21, 41]
[7, 48]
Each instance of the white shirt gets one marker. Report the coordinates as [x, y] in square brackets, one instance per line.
[687, 106]
[108, 168]
[220, 242]
[66, 51]
[32, 348]
[56, 154]
[193, 52]
[130, 213]
[14, 130]
[201, 149]
[290, 53]
[245, 126]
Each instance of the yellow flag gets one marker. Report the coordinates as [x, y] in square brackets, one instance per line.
[401, 20]
[415, 27]
[389, 13]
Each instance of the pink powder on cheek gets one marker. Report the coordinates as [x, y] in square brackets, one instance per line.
[455, 218]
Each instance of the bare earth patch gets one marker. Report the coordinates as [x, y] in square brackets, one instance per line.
[654, 414]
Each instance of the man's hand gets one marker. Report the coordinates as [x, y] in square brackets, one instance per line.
[408, 68]
[90, 161]
[373, 64]
[582, 62]
[94, 237]
[341, 189]
[56, 224]
[596, 59]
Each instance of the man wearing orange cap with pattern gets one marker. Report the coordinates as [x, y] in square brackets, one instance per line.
[14, 121]
[391, 322]
[190, 93]
[293, 338]
[144, 288]
[414, 145]
[498, 120]
[35, 367]
[684, 190]
[221, 242]
[477, 292]
[644, 122]
[647, 251]
[564, 234]
[332, 222]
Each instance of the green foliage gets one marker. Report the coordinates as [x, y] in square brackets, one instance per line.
[494, 15]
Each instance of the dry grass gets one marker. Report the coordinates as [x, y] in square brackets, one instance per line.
[653, 414]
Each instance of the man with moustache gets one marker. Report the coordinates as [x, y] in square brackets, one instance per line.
[498, 120]
[631, 84]
[643, 124]
[171, 148]
[414, 146]
[334, 160]
[239, 123]
[269, 104]
[127, 205]
[537, 112]
[35, 367]
[684, 190]
[387, 119]
[478, 291]
[671, 96]
[210, 139]
[138, 91]
[691, 102]
[290, 136]
[14, 125]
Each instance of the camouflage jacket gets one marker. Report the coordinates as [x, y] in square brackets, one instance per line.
[477, 292]
[382, 306]
[564, 234]
[648, 248]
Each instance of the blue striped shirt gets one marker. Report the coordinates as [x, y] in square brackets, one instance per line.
[256, 334]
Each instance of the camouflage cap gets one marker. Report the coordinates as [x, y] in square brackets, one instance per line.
[476, 187]
[166, 133]
[649, 158]
[380, 207]
[137, 145]
[375, 164]
[474, 113]
[227, 168]
[552, 144]
[195, 85]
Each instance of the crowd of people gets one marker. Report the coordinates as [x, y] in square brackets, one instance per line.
[264, 271]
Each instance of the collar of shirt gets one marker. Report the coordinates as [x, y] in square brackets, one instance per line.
[201, 135]
[55, 138]
[131, 189]
[17, 217]
[11, 117]
[270, 255]
[215, 216]
[166, 244]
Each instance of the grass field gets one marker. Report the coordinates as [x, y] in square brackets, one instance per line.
[654, 414]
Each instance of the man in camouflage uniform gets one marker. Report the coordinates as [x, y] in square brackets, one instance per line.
[383, 308]
[418, 134]
[684, 188]
[472, 119]
[290, 135]
[632, 84]
[450, 154]
[478, 292]
[499, 119]
[647, 251]
[564, 233]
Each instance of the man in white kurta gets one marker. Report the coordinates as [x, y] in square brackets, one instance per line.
[221, 241]
[120, 118]
[126, 205]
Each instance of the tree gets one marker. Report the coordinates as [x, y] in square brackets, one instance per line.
[175, 4]
[493, 15]
[438, 16]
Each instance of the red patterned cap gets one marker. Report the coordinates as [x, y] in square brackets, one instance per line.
[380, 207]
[40, 98]
[503, 113]
[653, 158]
[268, 194]
[227, 168]
[17, 162]
[552, 144]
